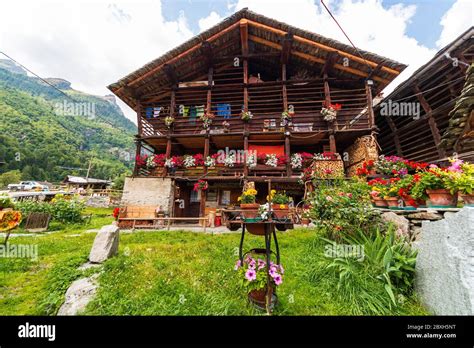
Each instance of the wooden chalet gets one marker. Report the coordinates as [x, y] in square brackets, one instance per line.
[446, 117]
[249, 62]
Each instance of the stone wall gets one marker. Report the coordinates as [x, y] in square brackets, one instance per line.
[445, 264]
[148, 191]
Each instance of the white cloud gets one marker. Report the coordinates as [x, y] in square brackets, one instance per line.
[455, 21]
[369, 25]
[209, 21]
[91, 44]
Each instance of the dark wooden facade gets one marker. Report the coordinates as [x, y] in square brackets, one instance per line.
[253, 63]
[435, 88]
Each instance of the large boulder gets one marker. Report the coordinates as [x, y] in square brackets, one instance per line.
[401, 223]
[79, 294]
[105, 245]
[444, 276]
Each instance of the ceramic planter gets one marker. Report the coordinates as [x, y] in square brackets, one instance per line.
[468, 199]
[380, 202]
[392, 202]
[258, 298]
[249, 210]
[280, 211]
[408, 205]
[442, 198]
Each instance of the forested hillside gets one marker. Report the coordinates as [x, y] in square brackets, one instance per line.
[43, 139]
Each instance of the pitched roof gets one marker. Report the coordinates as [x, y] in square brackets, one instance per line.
[267, 34]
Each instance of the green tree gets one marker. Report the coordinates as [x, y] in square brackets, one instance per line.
[10, 177]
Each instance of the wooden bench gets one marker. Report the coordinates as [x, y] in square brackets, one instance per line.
[145, 217]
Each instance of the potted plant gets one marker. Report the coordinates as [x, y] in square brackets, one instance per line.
[463, 181]
[280, 201]
[378, 192]
[437, 182]
[169, 120]
[206, 119]
[246, 116]
[305, 217]
[392, 198]
[201, 185]
[329, 111]
[405, 185]
[368, 168]
[248, 205]
[253, 273]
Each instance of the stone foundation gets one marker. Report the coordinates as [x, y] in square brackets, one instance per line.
[148, 192]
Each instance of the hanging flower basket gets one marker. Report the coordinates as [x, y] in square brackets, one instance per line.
[329, 111]
[246, 116]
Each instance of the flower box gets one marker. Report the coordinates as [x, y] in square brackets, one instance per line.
[194, 171]
[441, 198]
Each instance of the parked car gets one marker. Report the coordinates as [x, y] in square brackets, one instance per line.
[28, 186]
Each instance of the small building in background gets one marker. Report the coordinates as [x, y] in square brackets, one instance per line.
[82, 183]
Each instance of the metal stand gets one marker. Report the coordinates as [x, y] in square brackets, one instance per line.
[269, 232]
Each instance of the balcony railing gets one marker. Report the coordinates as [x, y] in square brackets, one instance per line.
[265, 101]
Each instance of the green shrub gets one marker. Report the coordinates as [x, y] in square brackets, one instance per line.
[6, 202]
[61, 209]
[340, 208]
[386, 258]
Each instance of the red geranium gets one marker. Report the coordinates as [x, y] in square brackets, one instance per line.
[199, 159]
[116, 213]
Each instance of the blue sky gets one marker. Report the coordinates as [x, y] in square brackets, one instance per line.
[424, 26]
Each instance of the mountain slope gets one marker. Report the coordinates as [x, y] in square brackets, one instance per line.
[40, 136]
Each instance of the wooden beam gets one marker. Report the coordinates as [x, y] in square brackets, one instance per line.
[171, 74]
[396, 138]
[246, 151]
[138, 151]
[284, 90]
[370, 105]
[244, 40]
[322, 46]
[210, 78]
[168, 151]
[431, 121]
[207, 53]
[179, 56]
[288, 154]
[139, 117]
[329, 64]
[316, 59]
[286, 48]
[332, 143]
[376, 70]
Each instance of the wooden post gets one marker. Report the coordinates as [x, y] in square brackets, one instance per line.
[202, 205]
[370, 109]
[244, 40]
[431, 121]
[139, 118]
[284, 91]
[288, 154]
[206, 149]
[327, 98]
[246, 151]
[168, 151]
[137, 153]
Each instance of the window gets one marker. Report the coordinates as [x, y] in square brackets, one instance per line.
[211, 195]
[195, 196]
[225, 197]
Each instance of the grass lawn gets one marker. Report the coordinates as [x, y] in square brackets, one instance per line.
[180, 273]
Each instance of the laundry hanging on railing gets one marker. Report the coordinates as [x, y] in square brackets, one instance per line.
[224, 110]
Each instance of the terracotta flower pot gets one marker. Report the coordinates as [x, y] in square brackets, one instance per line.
[258, 297]
[409, 204]
[249, 210]
[468, 199]
[280, 211]
[442, 198]
[392, 202]
[305, 221]
[379, 202]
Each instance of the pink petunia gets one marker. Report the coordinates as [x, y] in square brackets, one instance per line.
[277, 279]
[237, 265]
[261, 264]
[282, 270]
[250, 275]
